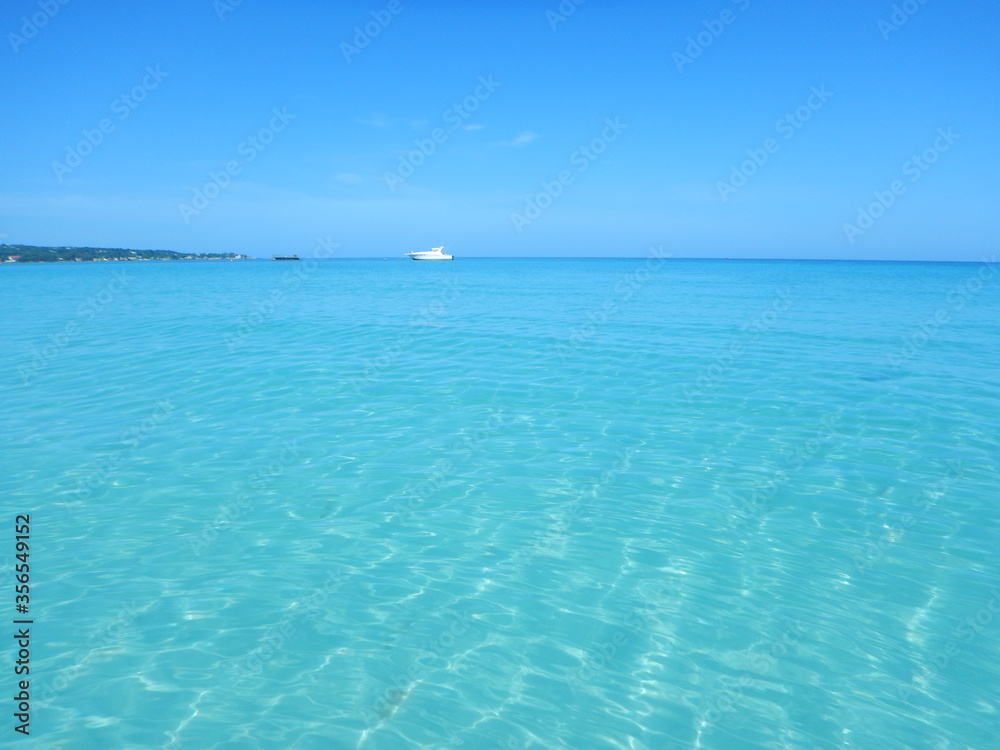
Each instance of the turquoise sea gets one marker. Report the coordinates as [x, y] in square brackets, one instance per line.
[610, 504]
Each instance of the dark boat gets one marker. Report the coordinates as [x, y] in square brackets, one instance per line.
[284, 257]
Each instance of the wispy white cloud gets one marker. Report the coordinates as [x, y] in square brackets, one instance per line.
[348, 178]
[378, 120]
[523, 139]
[474, 127]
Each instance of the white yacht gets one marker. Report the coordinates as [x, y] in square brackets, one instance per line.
[435, 253]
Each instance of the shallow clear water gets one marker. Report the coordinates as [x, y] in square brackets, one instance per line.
[506, 503]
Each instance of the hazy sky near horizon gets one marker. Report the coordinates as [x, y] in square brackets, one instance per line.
[715, 128]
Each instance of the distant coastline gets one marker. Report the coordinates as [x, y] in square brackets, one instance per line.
[33, 254]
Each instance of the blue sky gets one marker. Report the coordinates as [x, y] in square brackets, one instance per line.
[717, 129]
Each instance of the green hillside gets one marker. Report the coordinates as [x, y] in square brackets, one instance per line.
[33, 254]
